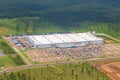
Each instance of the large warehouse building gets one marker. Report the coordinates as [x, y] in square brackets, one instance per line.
[62, 40]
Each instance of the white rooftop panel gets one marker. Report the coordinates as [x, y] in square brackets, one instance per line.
[53, 39]
[64, 38]
[95, 37]
[75, 37]
[39, 39]
[86, 36]
[32, 39]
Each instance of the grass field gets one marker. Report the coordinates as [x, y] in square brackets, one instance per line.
[11, 55]
[108, 40]
[4, 30]
[5, 47]
[36, 25]
[5, 61]
[78, 71]
[27, 57]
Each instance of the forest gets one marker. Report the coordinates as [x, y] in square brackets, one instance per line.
[43, 16]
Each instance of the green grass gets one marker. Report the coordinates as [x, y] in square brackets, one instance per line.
[78, 71]
[4, 31]
[37, 25]
[25, 55]
[16, 59]
[5, 47]
[8, 50]
[5, 61]
[108, 40]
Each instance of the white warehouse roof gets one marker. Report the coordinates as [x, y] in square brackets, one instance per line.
[62, 38]
[75, 37]
[53, 39]
[39, 39]
[88, 36]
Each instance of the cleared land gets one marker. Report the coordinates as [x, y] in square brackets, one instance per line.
[59, 54]
[45, 56]
[111, 69]
[111, 49]
[63, 54]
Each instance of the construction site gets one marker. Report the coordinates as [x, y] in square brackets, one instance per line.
[65, 47]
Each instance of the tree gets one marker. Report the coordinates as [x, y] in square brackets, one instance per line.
[76, 77]
[72, 72]
[17, 28]
[82, 70]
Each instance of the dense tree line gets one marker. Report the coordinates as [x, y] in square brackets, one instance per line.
[65, 14]
[63, 11]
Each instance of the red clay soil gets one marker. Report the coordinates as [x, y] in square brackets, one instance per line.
[111, 69]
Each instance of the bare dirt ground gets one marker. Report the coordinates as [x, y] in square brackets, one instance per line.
[24, 42]
[111, 49]
[45, 56]
[9, 40]
[111, 69]
[59, 54]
